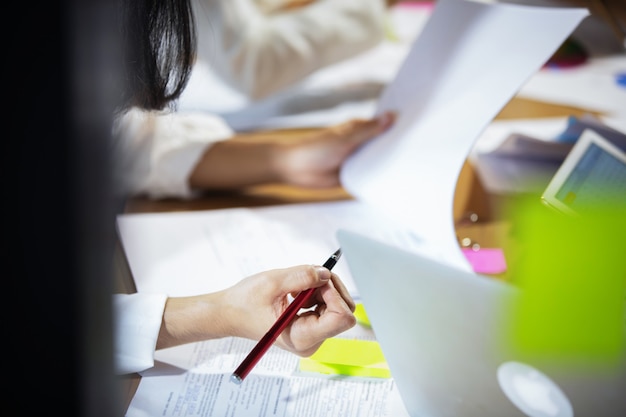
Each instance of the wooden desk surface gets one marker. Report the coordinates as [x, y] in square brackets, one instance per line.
[470, 197]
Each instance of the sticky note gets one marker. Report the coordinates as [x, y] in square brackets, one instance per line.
[572, 283]
[352, 357]
[486, 260]
[361, 316]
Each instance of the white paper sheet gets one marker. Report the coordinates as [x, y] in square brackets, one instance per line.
[194, 380]
[186, 253]
[468, 61]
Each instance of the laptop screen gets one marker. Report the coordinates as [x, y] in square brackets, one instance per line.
[592, 175]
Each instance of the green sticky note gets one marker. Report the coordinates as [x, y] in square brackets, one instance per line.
[339, 356]
[573, 280]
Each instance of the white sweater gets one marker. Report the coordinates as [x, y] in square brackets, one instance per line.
[259, 53]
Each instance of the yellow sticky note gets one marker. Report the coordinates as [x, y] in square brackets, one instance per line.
[361, 316]
[348, 357]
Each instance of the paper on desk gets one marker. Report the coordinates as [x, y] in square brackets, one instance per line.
[186, 253]
[468, 62]
[193, 379]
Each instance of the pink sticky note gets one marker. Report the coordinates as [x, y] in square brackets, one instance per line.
[486, 260]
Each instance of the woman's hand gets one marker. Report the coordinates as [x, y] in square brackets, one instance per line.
[252, 306]
[312, 160]
[315, 160]
[258, 301]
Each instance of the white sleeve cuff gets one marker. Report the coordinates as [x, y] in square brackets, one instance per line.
[137, 323]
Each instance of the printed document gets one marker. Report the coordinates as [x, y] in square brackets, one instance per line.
[194, 379]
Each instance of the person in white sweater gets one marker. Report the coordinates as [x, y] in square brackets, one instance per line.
[161, 153]
[261, 47]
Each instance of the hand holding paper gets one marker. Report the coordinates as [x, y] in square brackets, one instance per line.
[468, 62]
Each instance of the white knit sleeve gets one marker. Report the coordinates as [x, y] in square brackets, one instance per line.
[155, 152]
[259, 54]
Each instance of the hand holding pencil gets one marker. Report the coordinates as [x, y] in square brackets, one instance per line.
[302, 334]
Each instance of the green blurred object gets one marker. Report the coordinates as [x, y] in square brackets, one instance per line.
[572, 276]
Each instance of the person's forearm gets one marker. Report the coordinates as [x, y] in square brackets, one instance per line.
[193, 319]
[312, 160]
[236, 163]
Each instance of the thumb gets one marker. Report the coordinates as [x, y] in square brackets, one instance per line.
[364, 130]
[304, 277]
[385, 120]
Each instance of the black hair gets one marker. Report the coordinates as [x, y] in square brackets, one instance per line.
[158, 46]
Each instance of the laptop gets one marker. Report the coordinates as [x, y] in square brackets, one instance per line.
[594, 172]
[439, 329]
